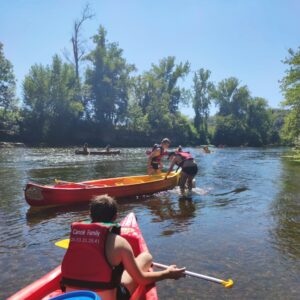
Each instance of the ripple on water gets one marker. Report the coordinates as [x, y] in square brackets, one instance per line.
[242, 221]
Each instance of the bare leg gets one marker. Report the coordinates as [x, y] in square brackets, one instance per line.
[190, 183]
[144, 261]
[182, 181]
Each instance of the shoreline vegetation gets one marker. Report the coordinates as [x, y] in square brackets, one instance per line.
[97, 97]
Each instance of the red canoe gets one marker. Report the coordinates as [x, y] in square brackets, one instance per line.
[65, 193]
[48, 286]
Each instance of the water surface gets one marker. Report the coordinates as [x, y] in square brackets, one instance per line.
[242, 223]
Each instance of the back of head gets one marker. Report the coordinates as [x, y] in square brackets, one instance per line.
[103, 209]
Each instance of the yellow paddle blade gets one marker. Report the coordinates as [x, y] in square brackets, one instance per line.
[63, 243]
[228, 283]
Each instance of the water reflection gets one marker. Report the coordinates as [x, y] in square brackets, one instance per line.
[177, 214]
[286, 213]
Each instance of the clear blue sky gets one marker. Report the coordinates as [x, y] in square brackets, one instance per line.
[242, 38]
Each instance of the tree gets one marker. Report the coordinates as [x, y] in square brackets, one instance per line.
[109, 81]
[201, 101]
[51, 107]
[231, 98]
[7, 83]
[290, 86]
[78, 48]
[258, 122]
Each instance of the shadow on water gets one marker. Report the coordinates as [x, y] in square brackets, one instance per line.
[35, 215]
[235, 191]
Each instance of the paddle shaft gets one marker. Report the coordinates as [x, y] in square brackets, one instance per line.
[193, 274]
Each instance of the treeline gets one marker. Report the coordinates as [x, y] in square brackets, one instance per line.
[108, 103]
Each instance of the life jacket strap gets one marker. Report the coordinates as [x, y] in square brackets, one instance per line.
[86, 284]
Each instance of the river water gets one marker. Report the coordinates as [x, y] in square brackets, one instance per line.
[243, 221]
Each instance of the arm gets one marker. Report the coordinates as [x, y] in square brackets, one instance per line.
[142, 277]
[171, 167]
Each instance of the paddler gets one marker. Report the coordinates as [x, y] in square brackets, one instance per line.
[99, 259]
[85, 148]
[186, 162]
[155, 165]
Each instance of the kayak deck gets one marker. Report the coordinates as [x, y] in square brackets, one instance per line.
[48, 287]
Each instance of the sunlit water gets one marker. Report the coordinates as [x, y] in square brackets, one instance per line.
[243, 221]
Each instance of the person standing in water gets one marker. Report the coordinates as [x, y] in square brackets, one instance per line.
[155, 165]
[105, 262]
[186, 162]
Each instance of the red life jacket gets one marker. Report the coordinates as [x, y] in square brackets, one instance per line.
[184, 156]
[158, 158]
[85, 264]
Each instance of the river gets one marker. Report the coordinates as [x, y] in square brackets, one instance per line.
[243, 221]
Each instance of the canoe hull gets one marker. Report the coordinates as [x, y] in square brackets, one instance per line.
[48, 286]
[122, 187]
[112, 152]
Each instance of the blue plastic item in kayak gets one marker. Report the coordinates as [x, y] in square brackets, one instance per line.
[78, 295]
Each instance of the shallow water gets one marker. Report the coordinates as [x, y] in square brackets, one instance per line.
[243, 221]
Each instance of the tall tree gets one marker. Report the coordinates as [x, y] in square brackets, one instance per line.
[108, 78]
[77, 41]
[201, 101]
[7, 83]
[258, 122]
[230, 98]
[51, 107]
[290, 86]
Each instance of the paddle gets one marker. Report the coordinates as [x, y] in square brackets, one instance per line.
[226, 283]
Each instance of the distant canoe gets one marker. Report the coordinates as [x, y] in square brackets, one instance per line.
[66, 193]
[111, 152]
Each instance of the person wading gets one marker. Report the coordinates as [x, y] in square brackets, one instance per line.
[155, 165]
[189, 169]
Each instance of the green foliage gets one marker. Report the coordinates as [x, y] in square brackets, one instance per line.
[229, 131]
[7, 83]
[111, 106]
[242, 120]
[231, 99]
[9, 114]
[290, 86]
[51, 103]
[201, 102]
[108, 77]
[158, 95]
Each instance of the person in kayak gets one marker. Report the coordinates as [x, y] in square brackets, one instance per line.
[186, 162]
[85, 148]
[206, 149]
[99, 259]
[155, 165]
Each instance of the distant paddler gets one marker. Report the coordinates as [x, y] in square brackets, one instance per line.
[98, 258]
[189, 167]
[206, 150]
[85, 148]
[155, 155]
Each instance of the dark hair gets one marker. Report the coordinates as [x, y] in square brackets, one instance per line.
[166, 141]
[103, 208]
